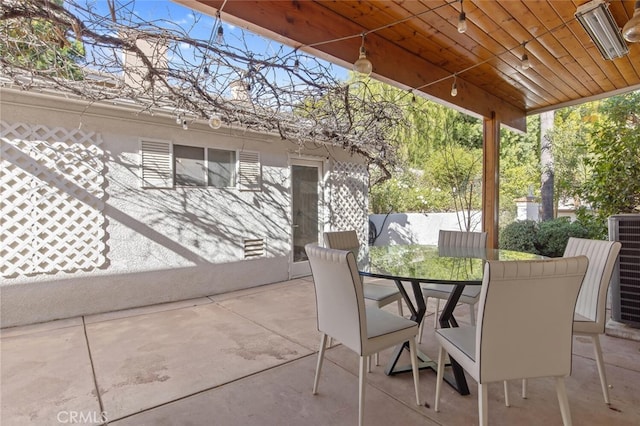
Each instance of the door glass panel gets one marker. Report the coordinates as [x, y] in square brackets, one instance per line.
[305, 209]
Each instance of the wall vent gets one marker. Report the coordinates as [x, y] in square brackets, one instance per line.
[625, 284]
[253, 247]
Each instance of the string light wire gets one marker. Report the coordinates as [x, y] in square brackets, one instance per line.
[416, 15]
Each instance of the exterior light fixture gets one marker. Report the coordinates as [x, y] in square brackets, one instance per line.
[363, 65]
[185, 125]
[462, 19]
[454, 86]
[598, 22]
[525, 64]
[215, 122]
[631, 30]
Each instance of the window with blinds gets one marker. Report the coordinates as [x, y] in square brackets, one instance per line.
[167, 165]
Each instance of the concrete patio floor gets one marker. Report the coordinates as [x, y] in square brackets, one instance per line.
[248, 358]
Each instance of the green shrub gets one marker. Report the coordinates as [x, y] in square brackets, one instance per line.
[548, 238]
[597, 228]
[553, 235]
[519, 236]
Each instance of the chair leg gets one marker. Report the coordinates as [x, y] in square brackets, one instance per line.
[414, 367]
[524, 388]
[436, 314]
[600, 363]
[376, 358]
[483, 405]
[441, 362]
[506, 394]
[564, 401]
[400, 312]
[368, 364]
[323, 346]
[361, 382]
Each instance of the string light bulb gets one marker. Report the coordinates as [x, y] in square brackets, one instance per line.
[363, 65]
[525, 64]
[220, 31]
[454, 86]
[220, 35]
[631, 30]
[462, 19]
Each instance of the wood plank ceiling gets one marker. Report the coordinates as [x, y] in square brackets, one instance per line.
[416, 45]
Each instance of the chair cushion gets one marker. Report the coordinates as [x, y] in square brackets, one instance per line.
[385, 329]
[382, 294]
[585, 325]
[470, 294]
[460, 344]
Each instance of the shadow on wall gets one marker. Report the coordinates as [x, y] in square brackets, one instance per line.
[60, 181]
[417, 228]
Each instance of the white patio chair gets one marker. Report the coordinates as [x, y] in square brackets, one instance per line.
[470, 294]
[522, 332]
[380, 294]
[343, 315]
[590, 313]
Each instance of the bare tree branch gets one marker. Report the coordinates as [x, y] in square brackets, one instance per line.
[159, 66]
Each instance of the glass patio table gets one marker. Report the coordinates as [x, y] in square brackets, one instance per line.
[417, 264]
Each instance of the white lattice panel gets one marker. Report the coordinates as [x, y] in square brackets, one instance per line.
[52, 183]
[348, 204]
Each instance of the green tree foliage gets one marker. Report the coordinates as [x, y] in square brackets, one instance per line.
[61, 56]
[439, 160]
[519, 166]
[459, 170]
[614, 186]
[571, 140]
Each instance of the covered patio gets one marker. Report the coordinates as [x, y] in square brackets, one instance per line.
[248, 358]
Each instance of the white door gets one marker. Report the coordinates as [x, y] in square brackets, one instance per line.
[306, 212]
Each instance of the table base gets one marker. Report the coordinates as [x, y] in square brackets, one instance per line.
[425, 362]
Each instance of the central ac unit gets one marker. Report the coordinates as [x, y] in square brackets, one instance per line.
[625, 283]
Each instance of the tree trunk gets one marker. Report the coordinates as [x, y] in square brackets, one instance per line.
[546, 162]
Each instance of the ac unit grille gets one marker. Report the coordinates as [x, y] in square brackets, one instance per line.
[625, 285]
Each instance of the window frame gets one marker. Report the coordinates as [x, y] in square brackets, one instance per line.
[158, 162]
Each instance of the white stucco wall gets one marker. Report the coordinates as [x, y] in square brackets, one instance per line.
[419, 228]
[161, 244]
